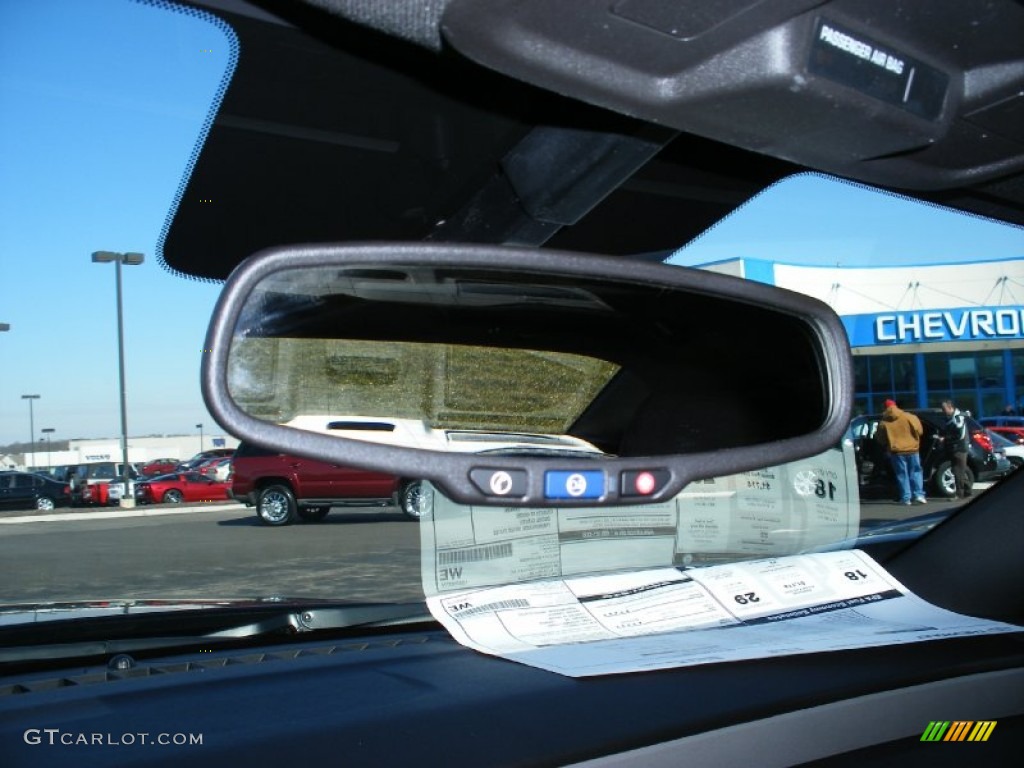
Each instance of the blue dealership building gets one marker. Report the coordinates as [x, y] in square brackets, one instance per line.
[932, 298]
[920, 333]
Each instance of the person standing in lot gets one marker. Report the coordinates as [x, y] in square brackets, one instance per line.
[900, 433]
[956, 442]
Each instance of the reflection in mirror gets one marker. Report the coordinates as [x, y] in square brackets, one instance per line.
[447, 386]
[462, 358]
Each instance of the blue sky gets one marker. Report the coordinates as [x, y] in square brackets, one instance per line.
[101, 105]
[816, 220]
[100, 113]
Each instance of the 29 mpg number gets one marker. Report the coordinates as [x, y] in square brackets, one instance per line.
[746, 597]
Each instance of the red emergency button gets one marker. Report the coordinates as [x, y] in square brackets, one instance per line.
[643, 482]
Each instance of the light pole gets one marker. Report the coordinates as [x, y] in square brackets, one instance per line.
[31, 426]
[131, 259]
[48, 431]
[200, 428]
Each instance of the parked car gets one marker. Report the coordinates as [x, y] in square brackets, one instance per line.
[1010, 427]
[875, 471]
[27, 490]
[180, 487]
[1014, 434]
[217, 469]
[158, 467]
[332, 480]
[61, 472]
[203, 456]
[1013, 451]
[86, 477]
[284, 488]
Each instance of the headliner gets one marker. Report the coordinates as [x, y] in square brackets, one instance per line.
[347, 134]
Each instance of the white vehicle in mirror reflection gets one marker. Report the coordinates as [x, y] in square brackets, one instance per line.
[284, 489]
[416, 433]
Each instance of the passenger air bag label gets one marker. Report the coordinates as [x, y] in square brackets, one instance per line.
[876, 70]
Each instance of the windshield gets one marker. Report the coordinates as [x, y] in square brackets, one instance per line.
[115, 100]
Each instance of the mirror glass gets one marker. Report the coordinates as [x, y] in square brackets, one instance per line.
[477, 359]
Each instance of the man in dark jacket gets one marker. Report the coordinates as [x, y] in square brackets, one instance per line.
[900, 433]
[957, 442]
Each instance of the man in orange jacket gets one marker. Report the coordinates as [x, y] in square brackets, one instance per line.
[900, 433]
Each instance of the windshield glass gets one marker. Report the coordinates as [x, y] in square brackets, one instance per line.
[114, 101]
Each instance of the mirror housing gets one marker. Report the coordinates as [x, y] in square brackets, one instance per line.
[519, 377]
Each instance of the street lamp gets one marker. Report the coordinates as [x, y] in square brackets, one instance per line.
[200, 428]
[131, 259]
[48, 431]
[31, 425]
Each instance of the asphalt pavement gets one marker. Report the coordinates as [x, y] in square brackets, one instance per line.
[874, 510]
[105, 513]
[871, 509]
[207, 551]
[221, 550]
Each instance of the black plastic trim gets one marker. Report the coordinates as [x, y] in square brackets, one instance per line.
[451, 471]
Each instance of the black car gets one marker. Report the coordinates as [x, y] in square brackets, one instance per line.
[875, 471]
[26, 490]
[62, 472]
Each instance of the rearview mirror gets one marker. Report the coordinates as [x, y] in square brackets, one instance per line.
[522, 377]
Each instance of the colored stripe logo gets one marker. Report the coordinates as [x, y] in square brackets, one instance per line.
[958, 730]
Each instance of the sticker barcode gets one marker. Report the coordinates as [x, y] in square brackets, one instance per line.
[500, 605]
[475, 554]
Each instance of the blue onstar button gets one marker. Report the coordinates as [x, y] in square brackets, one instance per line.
[569, 484]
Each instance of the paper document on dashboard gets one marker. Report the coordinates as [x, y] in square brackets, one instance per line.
[766, 513]
[670, 617]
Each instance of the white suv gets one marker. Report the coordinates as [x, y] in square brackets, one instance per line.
[417, 434]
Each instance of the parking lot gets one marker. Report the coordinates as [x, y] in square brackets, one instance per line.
[209, 551]
[221, 549]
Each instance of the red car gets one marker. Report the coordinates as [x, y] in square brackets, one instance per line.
[178, 488]
[285, 488]
[1010, 427]
[159, 467]
[1014, 434]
